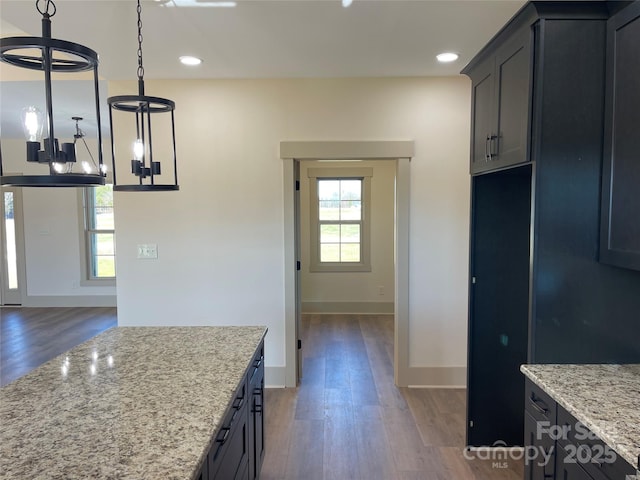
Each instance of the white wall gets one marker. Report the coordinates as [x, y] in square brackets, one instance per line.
[52, 231]
[353, 291]
[220, 238]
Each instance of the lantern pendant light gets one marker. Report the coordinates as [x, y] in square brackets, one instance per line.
[134, 113]
[49, 55]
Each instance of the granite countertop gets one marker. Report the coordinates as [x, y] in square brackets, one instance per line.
[605, 398]
[131, 403]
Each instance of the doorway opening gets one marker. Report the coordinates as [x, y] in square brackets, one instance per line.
[12, 274]
[295, 152]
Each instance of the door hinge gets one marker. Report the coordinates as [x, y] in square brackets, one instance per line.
[297, 185]
[299, 344]
[298, 265]
[471, 423]
[473, 280]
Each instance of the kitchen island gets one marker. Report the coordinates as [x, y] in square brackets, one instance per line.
[605, 399]
[131, 403]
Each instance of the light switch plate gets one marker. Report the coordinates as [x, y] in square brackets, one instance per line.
[147, 250]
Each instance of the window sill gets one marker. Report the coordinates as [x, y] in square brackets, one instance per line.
[98, 282]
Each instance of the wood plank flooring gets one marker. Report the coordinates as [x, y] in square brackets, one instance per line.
[347, 420]
[30, 337]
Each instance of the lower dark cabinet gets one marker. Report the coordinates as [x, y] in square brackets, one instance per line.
[540, 447]
[568, 469]
[237, 451]
[256, 416]
[557, 446]
[229, 454]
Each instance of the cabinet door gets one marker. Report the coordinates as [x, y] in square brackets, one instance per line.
[510, 139]
[500, 106]
[540, 449]
[482, 115]
[568, 469]
[620, 227]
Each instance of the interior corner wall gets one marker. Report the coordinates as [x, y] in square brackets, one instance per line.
[52, 231]
[220, 238]
[353, 292]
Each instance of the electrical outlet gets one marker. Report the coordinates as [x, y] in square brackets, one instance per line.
[380, 290]
[148, 250]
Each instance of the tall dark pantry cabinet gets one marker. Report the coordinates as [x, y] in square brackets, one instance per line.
[537, 292]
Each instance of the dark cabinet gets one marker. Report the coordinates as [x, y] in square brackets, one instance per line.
[537, 292]
[557, 446]
[568, 469]
[229, 456]
[256, 415]
[500, 105]
[620, 227]
[238, 448]
[540, 447]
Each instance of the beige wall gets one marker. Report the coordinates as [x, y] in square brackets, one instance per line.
[220, 238]
[357, 291]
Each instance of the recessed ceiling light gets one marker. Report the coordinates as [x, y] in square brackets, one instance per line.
[346, 3]
[447, 57]
[189, 60]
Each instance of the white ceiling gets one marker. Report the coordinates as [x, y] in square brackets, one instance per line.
[269, 38]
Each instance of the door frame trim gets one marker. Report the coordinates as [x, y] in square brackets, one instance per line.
[400, 151]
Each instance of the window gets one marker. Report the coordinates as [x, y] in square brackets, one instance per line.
[339, 219]
[99, 259]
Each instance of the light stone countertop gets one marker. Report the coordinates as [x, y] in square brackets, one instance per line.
[605, 398]
[131, 403]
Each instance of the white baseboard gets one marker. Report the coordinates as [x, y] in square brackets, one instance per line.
[375, 308]
[70, 301]
[437, 377]
[274, 377]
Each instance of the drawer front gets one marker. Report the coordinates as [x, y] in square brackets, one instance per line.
[230, 445]
[583, 447]
[538, 404]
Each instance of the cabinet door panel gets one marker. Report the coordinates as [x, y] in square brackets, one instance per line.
[540, 448]
[482, 114]
[512, 94]
[620, 232]
[568, 469]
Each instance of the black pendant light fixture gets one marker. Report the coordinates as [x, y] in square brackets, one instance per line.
[57, 160]
[141, 141]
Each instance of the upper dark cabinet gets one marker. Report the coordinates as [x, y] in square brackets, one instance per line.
[620, 223]
[500, 104]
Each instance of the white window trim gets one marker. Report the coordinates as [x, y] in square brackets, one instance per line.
[85, 262]
[364, 174]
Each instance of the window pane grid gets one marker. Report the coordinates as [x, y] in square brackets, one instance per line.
[340, 220]
[100, 232]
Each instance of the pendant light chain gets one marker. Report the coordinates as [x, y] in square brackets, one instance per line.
[140, 67]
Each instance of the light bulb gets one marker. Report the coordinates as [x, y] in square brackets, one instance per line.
[138, 149]
[59, 167]
[32, 123]
[103, 169]
[86, 166]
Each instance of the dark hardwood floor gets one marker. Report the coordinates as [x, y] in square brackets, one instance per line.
[30, 337]
[347, 419]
